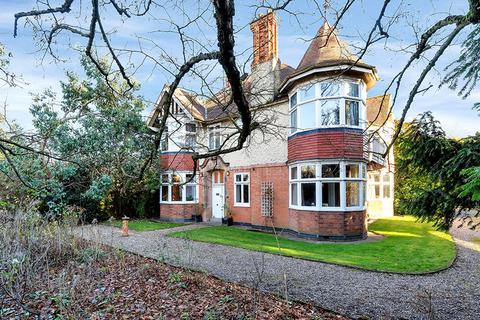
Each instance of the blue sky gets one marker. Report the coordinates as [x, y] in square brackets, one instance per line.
[39, 72]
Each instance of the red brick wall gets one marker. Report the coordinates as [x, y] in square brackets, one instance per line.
[170, 211]
[276, 173]
[177, 161]
[264, 31]
[329, 224]
[327, 144]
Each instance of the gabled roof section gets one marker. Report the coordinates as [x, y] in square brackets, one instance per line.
[191, 103]
[326, 48]
[378, 110]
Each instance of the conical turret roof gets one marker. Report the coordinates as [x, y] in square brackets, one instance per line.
[327, 53]
[326, 48]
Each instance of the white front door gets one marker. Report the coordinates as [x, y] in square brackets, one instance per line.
[218, 193]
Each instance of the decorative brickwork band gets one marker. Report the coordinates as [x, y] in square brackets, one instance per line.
[326, 144]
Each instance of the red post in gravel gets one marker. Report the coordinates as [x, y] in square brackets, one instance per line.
[125, 226]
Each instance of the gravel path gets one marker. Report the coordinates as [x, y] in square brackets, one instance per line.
[450, 294]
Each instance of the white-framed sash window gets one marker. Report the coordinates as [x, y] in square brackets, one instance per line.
[241, 187]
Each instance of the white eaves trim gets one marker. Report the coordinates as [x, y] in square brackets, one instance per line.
[326, 69]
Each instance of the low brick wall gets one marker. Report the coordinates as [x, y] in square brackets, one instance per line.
[176, 212]
[334, 225]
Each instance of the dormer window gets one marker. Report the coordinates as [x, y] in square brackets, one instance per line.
[327, 103]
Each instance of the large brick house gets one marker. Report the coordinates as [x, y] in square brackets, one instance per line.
[313, 169]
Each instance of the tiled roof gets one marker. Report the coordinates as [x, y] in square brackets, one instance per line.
[378, 109]
[326, 48]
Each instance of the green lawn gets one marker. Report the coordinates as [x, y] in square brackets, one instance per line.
[146, 225]
[408, 246]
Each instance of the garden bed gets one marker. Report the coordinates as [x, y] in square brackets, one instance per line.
[105, 283]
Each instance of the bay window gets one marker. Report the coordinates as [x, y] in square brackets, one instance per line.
[328, 186]
[242, 189]
[178, 187]
[339, 102]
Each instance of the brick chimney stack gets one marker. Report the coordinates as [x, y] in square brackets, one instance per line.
[264, 30]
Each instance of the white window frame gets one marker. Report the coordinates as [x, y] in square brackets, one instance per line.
[241, 183]
[169, 183]
[164, 140]
[191, 134]
[213, 132]
[319, 180]
[342, 97]
[381, 185]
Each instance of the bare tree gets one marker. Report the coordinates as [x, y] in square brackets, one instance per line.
[50, 21]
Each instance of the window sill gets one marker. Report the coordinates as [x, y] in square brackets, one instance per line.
[328, 209]
[178, 202]
[242, 205]
[337, 126]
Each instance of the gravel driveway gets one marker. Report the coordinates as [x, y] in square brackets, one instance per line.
[450, 294]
